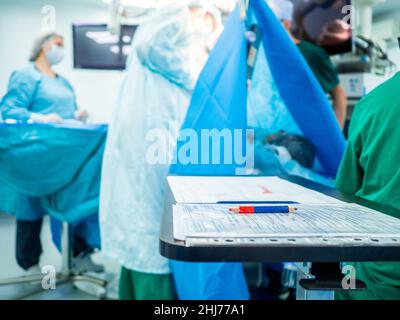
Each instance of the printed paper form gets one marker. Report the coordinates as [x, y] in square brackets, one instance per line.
[328, 220]
[216, 189]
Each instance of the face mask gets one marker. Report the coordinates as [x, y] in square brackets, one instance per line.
[202, 31]
[200, 28]
[201, 37]
[200, 40]
[55, 55]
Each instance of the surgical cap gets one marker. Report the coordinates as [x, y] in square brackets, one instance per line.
[283, 9]
[38, 43]
[198, 3]
[215, 13]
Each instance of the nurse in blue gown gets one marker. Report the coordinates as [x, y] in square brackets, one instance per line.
[36, 93]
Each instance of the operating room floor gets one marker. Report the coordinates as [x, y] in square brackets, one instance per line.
[50, 256]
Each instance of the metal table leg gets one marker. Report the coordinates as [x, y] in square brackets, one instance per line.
[304, 272]
[319, 281]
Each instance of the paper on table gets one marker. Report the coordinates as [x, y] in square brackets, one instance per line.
[344, 220]
[216, 189]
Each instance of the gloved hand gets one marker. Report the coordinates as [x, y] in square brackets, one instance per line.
[81, 115]
[46, 118]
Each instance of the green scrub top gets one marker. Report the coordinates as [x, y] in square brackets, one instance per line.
[321, 65]
[371, 169]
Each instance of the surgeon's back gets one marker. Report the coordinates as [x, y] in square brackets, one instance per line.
[371, 169]
[371, 165]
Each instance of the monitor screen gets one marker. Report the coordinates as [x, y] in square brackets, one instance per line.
[325, 23]
[96, 48]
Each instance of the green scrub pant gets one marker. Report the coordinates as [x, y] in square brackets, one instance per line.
[145, 286]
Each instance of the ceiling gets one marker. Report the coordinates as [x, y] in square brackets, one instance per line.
[386, 8]
[90, 2]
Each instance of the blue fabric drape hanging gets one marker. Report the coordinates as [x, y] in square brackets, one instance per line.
[218, 102]
[219, 99]
[58, 163]
[300, 90]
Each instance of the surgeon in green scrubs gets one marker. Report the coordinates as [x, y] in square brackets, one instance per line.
[318, 60]
[371, 169]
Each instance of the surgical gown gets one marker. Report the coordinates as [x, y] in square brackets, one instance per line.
[30, 91]
[371, 170]
[152, 105]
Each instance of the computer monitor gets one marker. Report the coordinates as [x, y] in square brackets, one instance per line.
[96, 48]
[325, 23]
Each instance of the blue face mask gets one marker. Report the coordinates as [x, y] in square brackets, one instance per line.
[55, 55]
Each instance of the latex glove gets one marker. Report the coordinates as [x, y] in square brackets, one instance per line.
[81, 115]
[46, 118]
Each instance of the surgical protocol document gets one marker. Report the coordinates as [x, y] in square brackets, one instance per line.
[217, 189]
[345, 220]
[199, 213]
[311, 220]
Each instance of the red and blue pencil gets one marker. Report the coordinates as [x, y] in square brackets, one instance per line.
[263, 209]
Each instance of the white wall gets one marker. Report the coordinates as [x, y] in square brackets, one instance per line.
[20, 20]
[394, 55]
[389, 10]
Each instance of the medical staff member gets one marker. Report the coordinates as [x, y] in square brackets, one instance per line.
[317, 58]
[371, 169]
[154, 97]
[37, 93]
